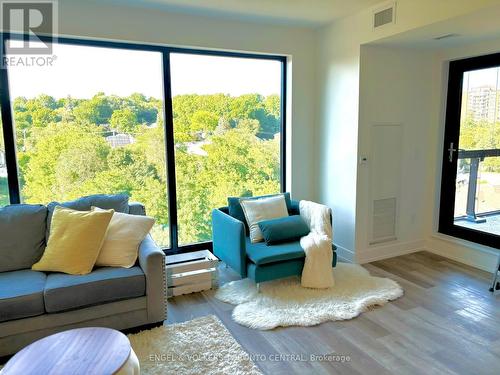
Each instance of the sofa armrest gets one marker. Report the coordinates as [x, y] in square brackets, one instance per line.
[228, 236]
[152, 262]
[136, 208]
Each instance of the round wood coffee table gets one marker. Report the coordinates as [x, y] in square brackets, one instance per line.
[77, 351]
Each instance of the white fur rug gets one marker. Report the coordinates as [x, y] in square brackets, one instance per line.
[200, 346]
[285, 303]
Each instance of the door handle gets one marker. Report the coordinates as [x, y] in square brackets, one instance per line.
[451, 150]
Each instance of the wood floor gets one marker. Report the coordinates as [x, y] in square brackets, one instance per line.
[446, 323]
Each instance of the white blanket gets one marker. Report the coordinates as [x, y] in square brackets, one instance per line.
[318, 270]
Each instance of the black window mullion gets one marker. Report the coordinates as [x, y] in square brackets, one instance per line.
[170, 150]
[8, 133]
[283, 126]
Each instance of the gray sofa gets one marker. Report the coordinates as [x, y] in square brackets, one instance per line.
[36, 304]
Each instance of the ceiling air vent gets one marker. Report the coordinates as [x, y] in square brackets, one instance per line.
[384, 16]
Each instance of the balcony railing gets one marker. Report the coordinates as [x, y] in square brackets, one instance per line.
[475, 156]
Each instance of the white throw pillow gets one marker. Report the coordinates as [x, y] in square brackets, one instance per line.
[123, 237]
[257, 210]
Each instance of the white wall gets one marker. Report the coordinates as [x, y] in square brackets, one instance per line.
[337, 132]
[394, 89]
[90, 19]
[329, 128]
[343, 121]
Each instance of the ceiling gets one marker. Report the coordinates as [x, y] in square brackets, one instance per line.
[293, 12]
[479, 26]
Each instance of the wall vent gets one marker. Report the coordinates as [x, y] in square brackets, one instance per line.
[384, 16]
[384, 220]
[446, 36]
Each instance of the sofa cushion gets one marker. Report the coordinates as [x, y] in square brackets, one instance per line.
[236, 211]
[107, 284]
[259, 253]
[22, 228]
[21, 294]
[117, 202]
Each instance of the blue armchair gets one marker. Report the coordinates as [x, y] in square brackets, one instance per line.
[256, 261]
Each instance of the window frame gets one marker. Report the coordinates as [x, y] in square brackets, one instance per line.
[446, 225]
[166, 51]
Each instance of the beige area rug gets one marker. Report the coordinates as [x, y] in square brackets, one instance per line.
[201, 346]
[286, 303]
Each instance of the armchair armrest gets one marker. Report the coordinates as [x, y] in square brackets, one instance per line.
[152, 262]
[228, 236]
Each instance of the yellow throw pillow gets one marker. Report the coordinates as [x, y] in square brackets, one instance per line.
[74, 241]
[121, 243]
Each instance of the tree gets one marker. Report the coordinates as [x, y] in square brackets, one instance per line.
[124, 120]
[272, 104]
[245, 106]
[204, 121]
[97, 110]
[144, 108]
[65, 154]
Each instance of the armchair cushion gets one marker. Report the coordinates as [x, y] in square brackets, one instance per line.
[236, 211]
[259, 253]
[283, 229]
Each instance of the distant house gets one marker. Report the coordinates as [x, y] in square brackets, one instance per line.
[120, 140]
[196, 148]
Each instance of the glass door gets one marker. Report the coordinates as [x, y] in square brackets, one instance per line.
[470, 191]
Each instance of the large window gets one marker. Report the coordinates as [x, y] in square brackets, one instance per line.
[118, 118]
[92, 123]
[4, 185]
[227, 134]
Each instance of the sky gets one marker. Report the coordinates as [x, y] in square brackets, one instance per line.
[82, 71]
[480, 78]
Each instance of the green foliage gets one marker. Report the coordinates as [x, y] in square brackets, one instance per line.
[145, 109]
[204, 121]
[97, 110]
[124, 120]
[480, 136]
[63, 152]
[64, 155]
[4, 192]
